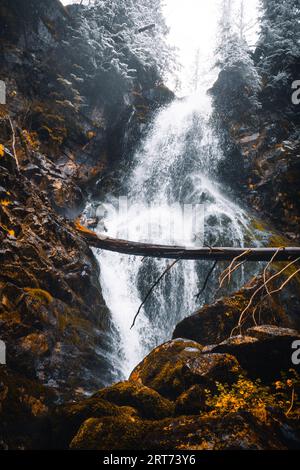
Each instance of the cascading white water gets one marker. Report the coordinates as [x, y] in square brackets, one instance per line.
[174, 166]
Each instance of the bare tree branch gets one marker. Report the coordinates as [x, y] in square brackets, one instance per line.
[152, 289]
[207, 279]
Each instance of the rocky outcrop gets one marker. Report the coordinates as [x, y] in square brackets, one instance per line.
[235, 432]
[215, 322]
[51, 307]
[24, 412]
[262, 352]
[220, 407]
[261, 145]
[195, 399]
[60, 130]
[177, 365]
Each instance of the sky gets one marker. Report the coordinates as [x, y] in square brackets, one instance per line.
[193, 28]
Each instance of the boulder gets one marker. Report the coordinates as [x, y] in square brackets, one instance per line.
[238, 431]
[264, 352]
[272, 332]
[162, 369]
[67, 419]
[148, 403]
[214, 323]
[206, 369]
[174, 367]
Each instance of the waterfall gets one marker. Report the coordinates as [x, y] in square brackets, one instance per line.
[173, 171]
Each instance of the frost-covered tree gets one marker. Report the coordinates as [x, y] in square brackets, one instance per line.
[238, 85]
[278, 51]
[126, 36]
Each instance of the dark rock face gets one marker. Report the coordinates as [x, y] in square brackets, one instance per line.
[214, 323]
[51, 307]
[24, 411]
[58, 134]
[261, 148]
[264, 352]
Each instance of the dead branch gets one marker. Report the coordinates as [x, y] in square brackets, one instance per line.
[285, 283]
[267, 267]
[231, 268]
[206, 280]
[292, 403]
[240, 322]
[152, 289]
[13, 141]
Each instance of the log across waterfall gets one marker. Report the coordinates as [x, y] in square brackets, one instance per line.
[178, 252]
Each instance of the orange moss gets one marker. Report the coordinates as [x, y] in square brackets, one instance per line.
[83, 229]
[40, 295]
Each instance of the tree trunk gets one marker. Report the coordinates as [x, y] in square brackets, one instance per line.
[179, 252]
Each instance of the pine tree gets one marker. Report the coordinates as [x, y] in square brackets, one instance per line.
[278, 51]
[238, 85]
[126, 35]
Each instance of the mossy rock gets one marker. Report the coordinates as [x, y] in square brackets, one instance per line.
[24, 412]
[236, 431]
[67, 419]
[148, 403]
[214, 323]
[264, 352]
[117, 433]
[174, 367]
[162, 369]
[191, 402]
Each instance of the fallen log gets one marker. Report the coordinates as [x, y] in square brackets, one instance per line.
[186, 253]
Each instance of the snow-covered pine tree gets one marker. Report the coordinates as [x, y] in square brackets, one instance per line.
[126, 36]
[114, 45]
[238, 85]
[278, 51]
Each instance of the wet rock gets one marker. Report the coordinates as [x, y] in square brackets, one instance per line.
[206, 369]
[66, 420]
[232, 432]
[175, 366]
[148, 403]
[51, 306]
[214, 323]
[191, 402]
[264, 353]
[24, 410]
[162, 369]
[272, 332]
